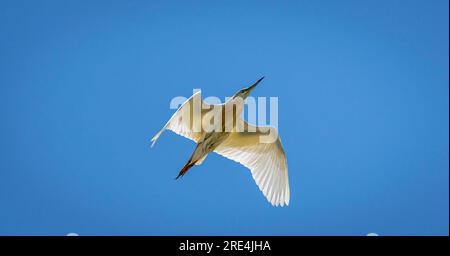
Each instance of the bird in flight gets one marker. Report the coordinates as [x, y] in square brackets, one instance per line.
[219, 128]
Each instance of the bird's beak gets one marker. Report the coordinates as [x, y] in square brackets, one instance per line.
[254, 85]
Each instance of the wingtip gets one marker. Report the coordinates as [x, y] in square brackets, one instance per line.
[152, 142]
[155, 138]
[282, 202]
[287, 197]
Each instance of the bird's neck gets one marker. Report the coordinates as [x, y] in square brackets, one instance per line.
[232, 112]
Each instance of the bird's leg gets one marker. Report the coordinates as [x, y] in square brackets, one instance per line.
[196, 156]
[185, 169]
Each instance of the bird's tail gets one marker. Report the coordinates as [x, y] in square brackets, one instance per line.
[186, 168]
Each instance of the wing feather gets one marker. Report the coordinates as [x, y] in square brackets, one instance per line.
[266, 161]
[186, 121]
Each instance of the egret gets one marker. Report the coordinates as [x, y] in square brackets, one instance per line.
[256, 147]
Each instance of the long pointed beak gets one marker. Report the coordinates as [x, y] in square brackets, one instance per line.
[255, 84]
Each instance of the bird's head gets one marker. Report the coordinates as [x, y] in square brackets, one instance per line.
[243, 93]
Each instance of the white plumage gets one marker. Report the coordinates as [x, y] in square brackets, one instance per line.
[264, 157]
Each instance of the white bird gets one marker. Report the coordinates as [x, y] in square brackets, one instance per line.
[256, 147]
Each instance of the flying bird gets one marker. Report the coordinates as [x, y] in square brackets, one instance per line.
[256, 147]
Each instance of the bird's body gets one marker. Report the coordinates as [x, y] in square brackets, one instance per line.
[210, 141]
[219, 128]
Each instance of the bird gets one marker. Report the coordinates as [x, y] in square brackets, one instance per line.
[258, 148]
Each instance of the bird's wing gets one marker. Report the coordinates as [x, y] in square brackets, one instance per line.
[263, 154]
[187, 120]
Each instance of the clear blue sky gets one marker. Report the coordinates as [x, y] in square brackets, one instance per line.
[363, 91]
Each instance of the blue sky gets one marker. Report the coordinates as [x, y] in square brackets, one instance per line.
[363, 91]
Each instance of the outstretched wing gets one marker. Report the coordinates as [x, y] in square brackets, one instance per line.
[187, 120]
[259, 149]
